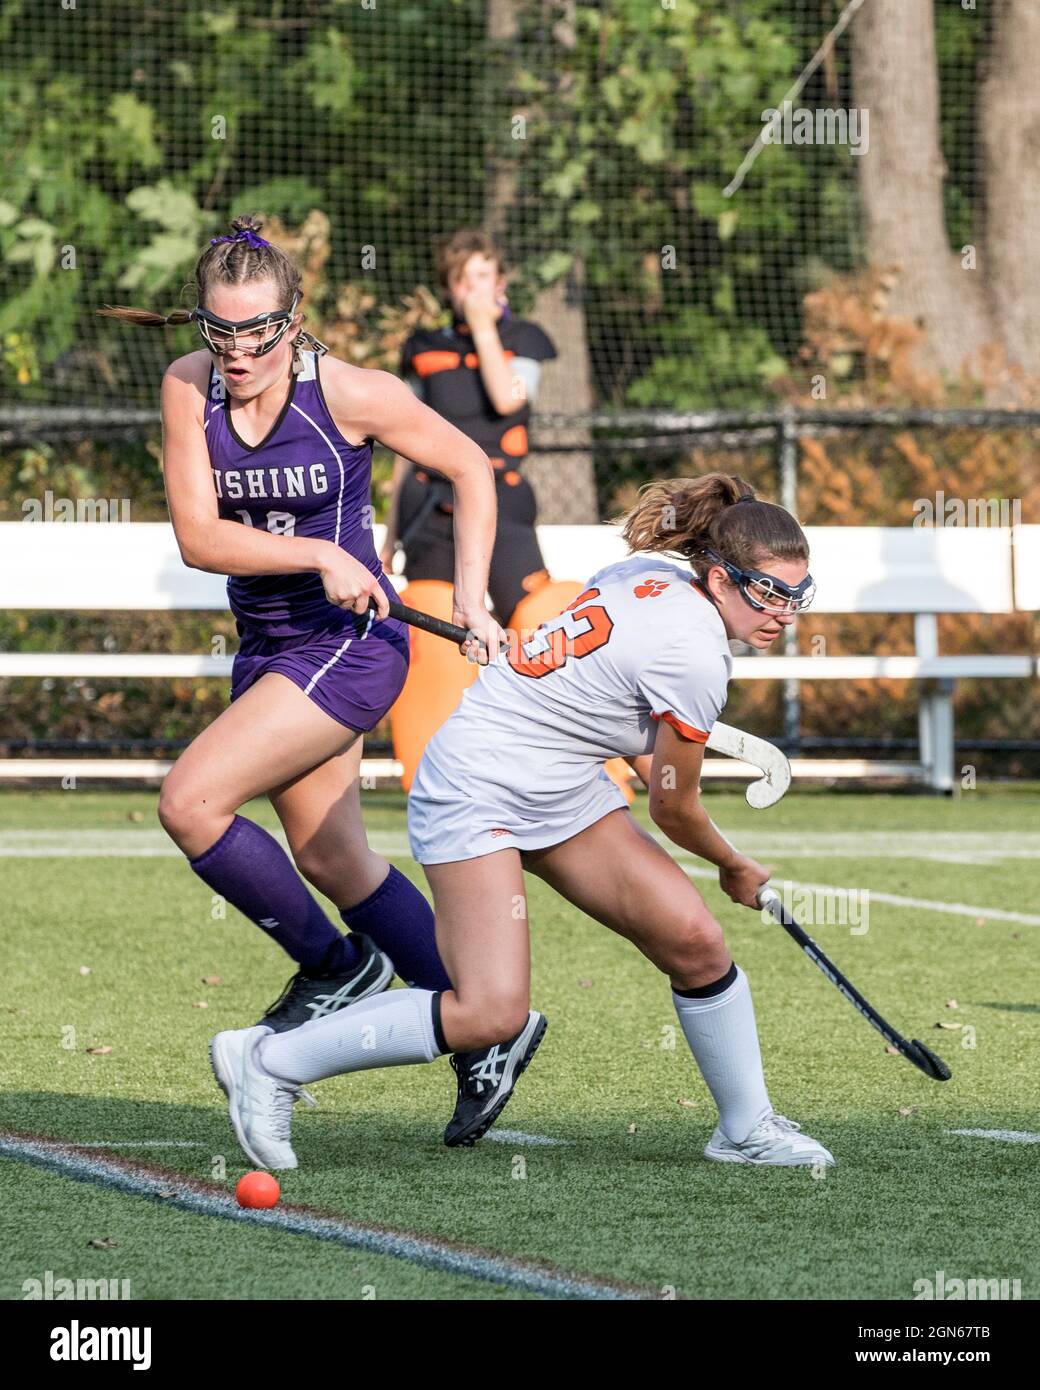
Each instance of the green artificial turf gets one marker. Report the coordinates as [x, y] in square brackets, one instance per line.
[626, 1194]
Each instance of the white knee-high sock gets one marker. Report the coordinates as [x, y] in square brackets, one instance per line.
[385, 1030]
[721, 1032]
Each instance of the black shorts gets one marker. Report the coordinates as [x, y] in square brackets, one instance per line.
[426, 528]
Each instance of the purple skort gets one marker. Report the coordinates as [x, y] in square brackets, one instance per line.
[353, 678]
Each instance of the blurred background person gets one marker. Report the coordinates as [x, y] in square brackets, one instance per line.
[481, 373]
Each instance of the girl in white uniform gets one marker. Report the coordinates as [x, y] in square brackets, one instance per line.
[637, 665]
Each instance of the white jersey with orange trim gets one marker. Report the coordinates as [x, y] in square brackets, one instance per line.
[520, 762]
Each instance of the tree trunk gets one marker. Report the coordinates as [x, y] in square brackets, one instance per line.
[1009, 113]
[564, 484]
[895, 79]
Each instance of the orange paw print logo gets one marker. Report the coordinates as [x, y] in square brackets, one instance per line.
[650, 588]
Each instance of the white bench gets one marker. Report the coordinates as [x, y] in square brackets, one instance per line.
[137, 566]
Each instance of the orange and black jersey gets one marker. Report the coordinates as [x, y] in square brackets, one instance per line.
[445, 361]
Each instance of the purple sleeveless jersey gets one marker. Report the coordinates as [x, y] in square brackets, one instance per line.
[305, 479]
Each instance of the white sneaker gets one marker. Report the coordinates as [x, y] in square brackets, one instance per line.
[260, 1104]
[774, 1140]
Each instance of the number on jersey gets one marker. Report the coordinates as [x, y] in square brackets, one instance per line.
[582, 628]
[278, 523]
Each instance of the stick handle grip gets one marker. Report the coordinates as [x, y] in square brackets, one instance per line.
[437, 626]
[769, 898]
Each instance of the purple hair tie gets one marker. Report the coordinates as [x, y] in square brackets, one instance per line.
[246, 234]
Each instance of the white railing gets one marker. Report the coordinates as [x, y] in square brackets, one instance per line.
[131, 566]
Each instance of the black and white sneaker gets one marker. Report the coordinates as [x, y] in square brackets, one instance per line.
[486, 1079]
[310, 996]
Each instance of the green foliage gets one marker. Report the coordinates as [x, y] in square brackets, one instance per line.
[173, 248]
[133, 133]
[742, 359]
[327, 73]
[634, 129]
[288, 198]
[129, 138]
[961, 41]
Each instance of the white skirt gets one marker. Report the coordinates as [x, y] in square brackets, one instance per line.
[465, 815]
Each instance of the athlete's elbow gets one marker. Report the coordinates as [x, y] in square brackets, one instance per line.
[670, 813]
[470, 473]
[475, 463]
[195, 550]
[192, 558]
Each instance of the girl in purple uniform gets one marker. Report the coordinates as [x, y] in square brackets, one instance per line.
[267, 466]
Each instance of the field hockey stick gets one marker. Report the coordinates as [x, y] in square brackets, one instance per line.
[403, 614]
[771, 763]
[914, 1051]
[437, 626]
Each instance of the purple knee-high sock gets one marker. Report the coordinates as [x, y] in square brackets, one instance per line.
[250, 869]
[400, 921]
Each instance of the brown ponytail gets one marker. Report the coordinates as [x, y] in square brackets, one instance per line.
[226, 261]
[145, 318]
[685, 516]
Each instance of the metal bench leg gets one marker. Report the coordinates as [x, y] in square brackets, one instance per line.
[935, 730]
[935, 711]
[925, 732]
[942, 726]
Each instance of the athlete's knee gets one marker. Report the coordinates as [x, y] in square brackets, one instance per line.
[186, 813]
[175, 808]
[696, 954]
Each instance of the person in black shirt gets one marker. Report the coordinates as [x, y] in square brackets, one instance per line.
[481, 374]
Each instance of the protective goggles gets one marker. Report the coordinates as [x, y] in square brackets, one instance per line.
[255, 336]
[765, 592]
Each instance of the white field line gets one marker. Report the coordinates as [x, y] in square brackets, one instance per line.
[429, 1252]
[119, 844]
[991, 914]
[517, 1136]
[144, 1144]
[958, 847]
[500, 1136]
[1007, 1136]
[949, 847]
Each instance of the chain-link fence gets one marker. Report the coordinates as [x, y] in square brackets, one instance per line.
[678, 188]
[722, 215]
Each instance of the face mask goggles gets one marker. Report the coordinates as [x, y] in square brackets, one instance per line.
[766, 593]
[256, 336]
